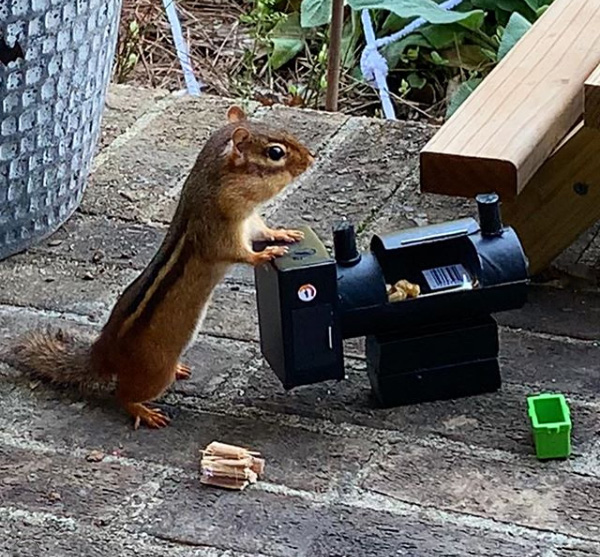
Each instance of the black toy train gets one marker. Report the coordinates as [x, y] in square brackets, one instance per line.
[441, 344]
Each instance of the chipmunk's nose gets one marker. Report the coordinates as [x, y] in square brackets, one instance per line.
[311, 157]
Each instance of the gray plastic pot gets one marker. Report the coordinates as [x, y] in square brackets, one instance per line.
[55, 63]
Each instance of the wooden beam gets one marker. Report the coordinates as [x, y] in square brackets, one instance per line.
[513, 121]
[591, 110]
[561, 201]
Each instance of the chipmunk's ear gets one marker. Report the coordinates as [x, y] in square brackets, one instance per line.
[235, 114]
[238, 137]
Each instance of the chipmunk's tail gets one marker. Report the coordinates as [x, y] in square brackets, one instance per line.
[57, 356]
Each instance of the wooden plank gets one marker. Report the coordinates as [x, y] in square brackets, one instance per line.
[592, 100]
[561, 201]
[513, 121]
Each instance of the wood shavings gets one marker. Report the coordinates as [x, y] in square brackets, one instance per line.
[230, 467]
[402, 290]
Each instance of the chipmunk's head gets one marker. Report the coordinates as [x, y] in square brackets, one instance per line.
[259, 161]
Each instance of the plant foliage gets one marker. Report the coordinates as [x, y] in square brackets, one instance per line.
[437, 66]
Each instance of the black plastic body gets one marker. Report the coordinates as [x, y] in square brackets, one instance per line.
[441, 344]
[497, 264]
[488, 206]
[344, 244]
[299, 337]
[434, 363]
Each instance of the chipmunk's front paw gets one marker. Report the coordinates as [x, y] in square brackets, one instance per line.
[268, 254]
[284, 235]
[182, 372]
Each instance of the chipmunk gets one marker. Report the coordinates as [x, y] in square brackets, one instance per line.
[243, 165]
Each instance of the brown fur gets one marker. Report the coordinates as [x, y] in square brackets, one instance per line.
[154, 319]
[62, 357]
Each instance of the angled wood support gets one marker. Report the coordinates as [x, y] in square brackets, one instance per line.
[500, 137]
[531, 133]
[561, 200]
[591, 111]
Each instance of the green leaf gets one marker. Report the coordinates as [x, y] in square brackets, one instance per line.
[416, 81]
[540, 11]
[427, 9]
[284, 50]
[393, 23]
[474, 22]
[314, 13]
[486, 4]
[351, 34]
[437, 59]
[288, 40]
[466, 56]
[491, 55]
[289, 27]
[461, 94]
[442, 36]
[412, 53]
[394, 52]
[519, 6]
[516, 28]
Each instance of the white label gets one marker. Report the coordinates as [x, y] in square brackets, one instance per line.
[307, 292]
[450, 276]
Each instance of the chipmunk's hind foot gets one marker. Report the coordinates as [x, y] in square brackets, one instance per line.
[183, 372]
[151, 417]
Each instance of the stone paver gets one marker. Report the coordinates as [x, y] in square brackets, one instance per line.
[90, 492]
[290, 526]
[141, 180]
[455, 478]
[124, 107]
[555, 498]
[44, 534]
[358, 172]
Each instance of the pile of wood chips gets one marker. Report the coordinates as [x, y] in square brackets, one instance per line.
[229, 466]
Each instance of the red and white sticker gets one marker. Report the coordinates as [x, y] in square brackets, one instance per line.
[307, 292]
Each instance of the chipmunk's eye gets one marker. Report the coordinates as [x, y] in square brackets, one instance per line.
[275, 152]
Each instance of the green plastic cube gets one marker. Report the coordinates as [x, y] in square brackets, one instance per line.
[551, 424]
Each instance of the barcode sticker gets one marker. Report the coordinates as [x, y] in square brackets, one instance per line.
[450, 276]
